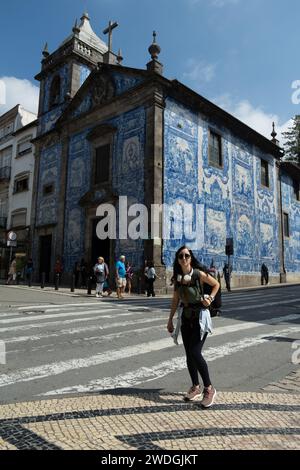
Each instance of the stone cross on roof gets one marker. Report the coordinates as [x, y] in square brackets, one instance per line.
[108, 31]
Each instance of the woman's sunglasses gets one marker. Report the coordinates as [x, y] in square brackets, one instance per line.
[184, 255]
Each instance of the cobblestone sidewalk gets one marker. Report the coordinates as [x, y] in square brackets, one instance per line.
[124, 420]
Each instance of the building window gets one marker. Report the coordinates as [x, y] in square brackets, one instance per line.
[18, 219]
[54, 92]
[3, 213]
[286, 225]
[215, 150]
[24, 147]
[102, 160]
[5, 157]
[21, 184]
[7, 130]
[264, 173]
[296, 188]
[48, 189]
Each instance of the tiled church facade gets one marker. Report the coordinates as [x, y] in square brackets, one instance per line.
[158, 132]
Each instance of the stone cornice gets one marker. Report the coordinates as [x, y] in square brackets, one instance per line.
[46, 140]
[101, 130]
[291, 169]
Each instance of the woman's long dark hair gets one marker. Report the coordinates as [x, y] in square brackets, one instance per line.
[194, 263]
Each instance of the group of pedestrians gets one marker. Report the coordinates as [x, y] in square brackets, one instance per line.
[12, 272]
[123, 277]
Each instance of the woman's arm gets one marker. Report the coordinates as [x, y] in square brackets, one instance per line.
[174, 305]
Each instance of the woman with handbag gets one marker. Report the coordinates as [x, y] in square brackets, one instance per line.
[189, 276]
[101, 274]
[151, 277]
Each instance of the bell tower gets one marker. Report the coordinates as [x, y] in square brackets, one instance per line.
[64, 71]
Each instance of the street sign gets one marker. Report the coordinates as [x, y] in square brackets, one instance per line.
[12, 236]
[229, 246]
[11, 243]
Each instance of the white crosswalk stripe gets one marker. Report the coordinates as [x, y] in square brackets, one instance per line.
[145, 374]
[123, 333]
[57, 368]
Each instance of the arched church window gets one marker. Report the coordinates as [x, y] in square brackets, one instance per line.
[55, 92]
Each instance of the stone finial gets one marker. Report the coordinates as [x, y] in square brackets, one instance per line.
[154, 49]
[45, 51]
[85, 16]
[274, 134]
[119, 57]
[76, 29]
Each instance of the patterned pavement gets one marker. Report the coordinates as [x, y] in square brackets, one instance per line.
[124, 420]
[92, 414]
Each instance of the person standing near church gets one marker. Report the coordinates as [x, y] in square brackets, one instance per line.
[101, 274]
[121, 277]
[12, 273]
[29, 271]
[58, 269]
[129, 276]
[264, 274]
[227, 273]
[151, 276]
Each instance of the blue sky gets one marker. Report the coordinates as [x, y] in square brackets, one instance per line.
[241, 54]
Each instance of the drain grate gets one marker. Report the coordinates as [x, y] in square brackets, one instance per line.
[138, 309]
[33, 311]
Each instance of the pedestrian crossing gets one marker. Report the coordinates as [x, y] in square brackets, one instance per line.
[58, 349]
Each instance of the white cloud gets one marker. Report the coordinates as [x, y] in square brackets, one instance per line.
[18, 91]
[199, 71]
[254, 117]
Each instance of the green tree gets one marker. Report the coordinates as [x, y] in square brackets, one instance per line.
[292, 141]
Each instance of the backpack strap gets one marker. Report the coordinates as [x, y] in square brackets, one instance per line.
[198, 282]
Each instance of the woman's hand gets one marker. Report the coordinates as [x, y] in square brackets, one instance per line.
[170, 326]
[206, 301]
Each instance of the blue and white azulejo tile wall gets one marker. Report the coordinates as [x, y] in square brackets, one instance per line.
[231, 201]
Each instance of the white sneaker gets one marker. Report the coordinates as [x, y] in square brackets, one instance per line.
[97, 295]
[193, 394]
[208, 397]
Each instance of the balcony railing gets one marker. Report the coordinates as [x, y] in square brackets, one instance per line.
[3, 222]
[5, 172]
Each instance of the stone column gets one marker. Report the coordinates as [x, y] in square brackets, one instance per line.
[35, 187]
[282, 273]
[154, 180]
[60, 228]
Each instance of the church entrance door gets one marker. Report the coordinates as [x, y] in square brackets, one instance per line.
[45, 255]
[99, 247]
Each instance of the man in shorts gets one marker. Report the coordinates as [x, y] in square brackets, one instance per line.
[121, 277]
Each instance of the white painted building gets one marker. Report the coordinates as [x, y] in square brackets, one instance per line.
[17, 129]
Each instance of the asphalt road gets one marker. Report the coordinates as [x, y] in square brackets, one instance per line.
[60, 345]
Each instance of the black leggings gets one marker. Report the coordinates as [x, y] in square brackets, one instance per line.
[193, 344]
[150, 288]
